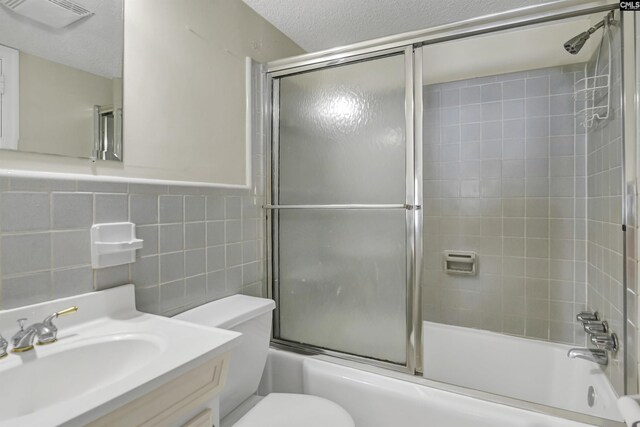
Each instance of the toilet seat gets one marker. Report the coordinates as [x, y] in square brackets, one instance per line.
[295, 410]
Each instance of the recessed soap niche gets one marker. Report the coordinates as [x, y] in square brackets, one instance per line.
[460, 262]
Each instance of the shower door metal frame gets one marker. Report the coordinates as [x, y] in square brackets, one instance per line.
[407, 41]
[412, 206]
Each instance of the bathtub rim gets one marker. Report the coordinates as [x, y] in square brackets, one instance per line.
[556, 347]
[464, 391]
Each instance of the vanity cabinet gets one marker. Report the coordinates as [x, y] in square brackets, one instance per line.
[170, 404]
[203, 419]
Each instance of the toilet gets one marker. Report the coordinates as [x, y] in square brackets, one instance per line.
[251, 316]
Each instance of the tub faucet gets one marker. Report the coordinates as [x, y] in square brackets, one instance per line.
[592, 355]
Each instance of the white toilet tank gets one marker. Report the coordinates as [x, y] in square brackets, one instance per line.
[252, 317]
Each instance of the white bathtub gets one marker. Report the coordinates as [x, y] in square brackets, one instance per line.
[525, 369]
[375, 400]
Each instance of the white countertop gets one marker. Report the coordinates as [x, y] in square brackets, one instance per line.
[107, 355]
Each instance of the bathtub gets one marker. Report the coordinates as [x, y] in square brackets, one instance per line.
[376, 397]
[502, 364]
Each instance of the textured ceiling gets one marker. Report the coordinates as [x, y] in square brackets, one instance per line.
[93, 44]
[323, 24]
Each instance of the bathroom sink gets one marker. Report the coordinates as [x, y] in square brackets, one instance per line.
[116, 356]
[107, 354]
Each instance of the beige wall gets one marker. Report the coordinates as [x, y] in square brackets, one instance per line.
[509, 51]
[50, 123]
[184, 92]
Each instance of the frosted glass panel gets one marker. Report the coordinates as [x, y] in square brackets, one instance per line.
[343, 281]
[342, 134]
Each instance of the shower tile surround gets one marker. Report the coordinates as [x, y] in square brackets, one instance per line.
[605, 254]
[504, 176]
[200, 243]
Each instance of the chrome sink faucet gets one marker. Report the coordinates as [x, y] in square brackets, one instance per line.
[46, 332]
[592, 355]
[3, 347]
[23, 340]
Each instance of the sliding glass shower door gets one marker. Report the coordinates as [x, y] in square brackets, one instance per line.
[341, 206]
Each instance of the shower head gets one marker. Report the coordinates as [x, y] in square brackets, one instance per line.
[576, 43]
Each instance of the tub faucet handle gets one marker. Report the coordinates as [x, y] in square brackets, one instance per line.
[596, 327]
[587, 316]
[605, 341]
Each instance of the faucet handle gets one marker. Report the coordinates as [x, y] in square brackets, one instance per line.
[21, 323]
[587, 316]
[66, 311]
[57, 314]
[605, 341]
[596, 326]
[47, 331]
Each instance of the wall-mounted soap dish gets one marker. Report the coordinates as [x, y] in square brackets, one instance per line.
[460, 262]
[114, 244]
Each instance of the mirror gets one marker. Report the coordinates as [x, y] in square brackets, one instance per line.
[61, 77]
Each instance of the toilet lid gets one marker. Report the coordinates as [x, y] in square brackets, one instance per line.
[295, 410]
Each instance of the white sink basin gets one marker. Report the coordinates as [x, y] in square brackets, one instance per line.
[116, 356]
[107, 354]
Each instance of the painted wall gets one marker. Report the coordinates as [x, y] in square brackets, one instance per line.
[534, 47]
[184, 92]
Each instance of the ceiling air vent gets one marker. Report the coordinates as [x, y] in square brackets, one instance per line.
[54, 13]
[12, 3]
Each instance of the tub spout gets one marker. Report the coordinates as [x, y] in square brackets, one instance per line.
[592, 355]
